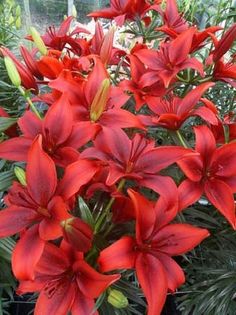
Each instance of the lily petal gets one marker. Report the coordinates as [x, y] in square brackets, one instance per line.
[41, 174]
[177, 239]
[27, 253]
[221, 196]
[92, 283]
[152, 278]
[120, 255]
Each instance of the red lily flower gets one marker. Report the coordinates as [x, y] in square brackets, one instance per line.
[224, 44]
[94, 107]
[200, 36]
[101, 44]
[59, 39]
[171, 58]
[66, 283]
[225, 72]
[151, 250]
[139, 86]
[125, 10]
[174, 23]
[171, 113]
[229, 123]
[212, 172]
[50, 67]
[30, 62]
[135, 159]
[39, 207]
[61, 137]
[27, 79]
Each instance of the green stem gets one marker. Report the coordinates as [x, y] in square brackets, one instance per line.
[178, 138]
[141, 30]
[226, 133]
[106, 211]
[181, 79]
[181, 139]
[205, 79]
[31, 104]
[91, 253]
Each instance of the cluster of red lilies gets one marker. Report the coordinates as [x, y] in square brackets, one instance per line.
[91, 139]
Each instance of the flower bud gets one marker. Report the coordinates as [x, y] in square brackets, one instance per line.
[117, 299]
[38, 41]
[18, 22]
[12, 71]
[74, 11]
[20, 174]
[77, 233]
[107, 45]
[100, 100]
[18, 10]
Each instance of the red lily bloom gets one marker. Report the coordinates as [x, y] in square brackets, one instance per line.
[225, 72]
[171, 58]
[171, 113]
[39, 207]
[66, 283]
[50, 67]
[30, 62]
[93, 105]
[174, 23]
[224, 44]
[59, 39]
[61, 137]
[135, 159]
[229, 123]
[151, 250]
[101, 44]
[212, 172]
[139, 86]
[126, 10]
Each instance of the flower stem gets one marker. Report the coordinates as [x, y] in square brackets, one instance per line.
[178, 138]
[31, 104]
[181, 139]
[106, 211]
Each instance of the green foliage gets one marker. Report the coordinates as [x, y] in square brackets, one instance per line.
[10, 15]
[209, 12]
[85, 212]
[211, 275]
[10, 21]
[128, 285]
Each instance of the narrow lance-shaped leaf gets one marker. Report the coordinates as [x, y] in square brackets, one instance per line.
[6, 122]
[86, 214]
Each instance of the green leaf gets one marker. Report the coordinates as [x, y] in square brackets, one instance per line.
[6, 179]
[6, 247]
[6, 122]
[86, 214]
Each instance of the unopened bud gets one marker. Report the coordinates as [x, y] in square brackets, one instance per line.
[77, 233]
[117, 299]
[12, 71]
[18, 22]
[20, 175]
[38, 41]
[100, 100]
[74, 11]
[18, 10]
[11, 19]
